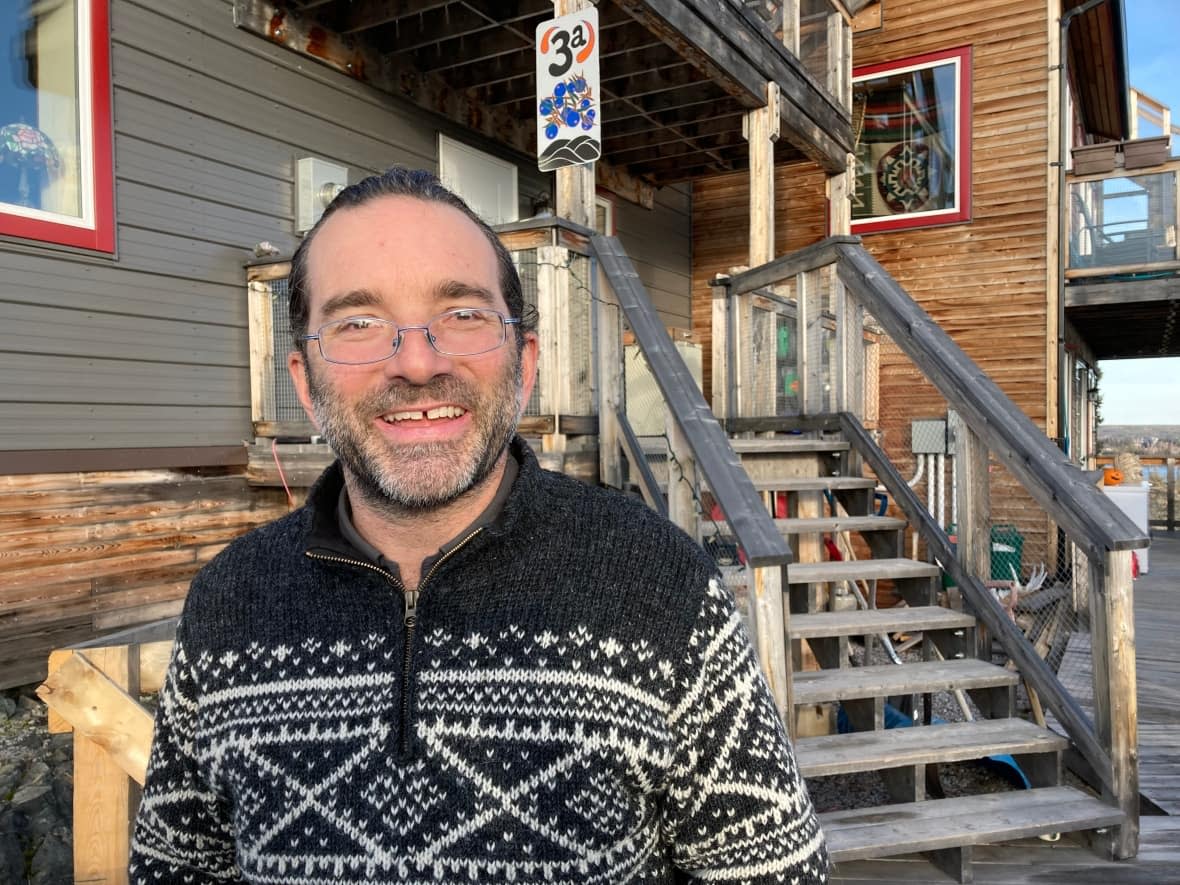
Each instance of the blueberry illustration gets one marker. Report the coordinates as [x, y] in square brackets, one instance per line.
[559, 90]
[585, 103]
[551, 130]
[587, 123]
[590, 115]
[571, 117]
[580, 84]
[547, 107]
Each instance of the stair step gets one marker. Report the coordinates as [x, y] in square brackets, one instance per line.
[810, 525]
[787, 445]
[859, 622]
[814, 483]
[883, 680]
[970, 820]
[859, 569]
[895, 747]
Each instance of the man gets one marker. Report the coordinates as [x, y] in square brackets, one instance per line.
[450, 665]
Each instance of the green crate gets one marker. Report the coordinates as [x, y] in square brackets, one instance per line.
[1007, 546]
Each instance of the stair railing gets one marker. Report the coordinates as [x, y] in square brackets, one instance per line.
[843, 308]
[699, 451]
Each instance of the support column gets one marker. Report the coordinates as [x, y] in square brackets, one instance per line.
[760, 127]
[574, 186]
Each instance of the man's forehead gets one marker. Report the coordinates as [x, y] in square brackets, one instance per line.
[400, 239]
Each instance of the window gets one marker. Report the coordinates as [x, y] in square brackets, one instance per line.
[56, 176]
[487, 183]
[912, 127]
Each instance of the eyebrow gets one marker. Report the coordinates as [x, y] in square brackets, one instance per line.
[349, 300]
[456, 290]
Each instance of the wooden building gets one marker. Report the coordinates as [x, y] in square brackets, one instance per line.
[134, 252]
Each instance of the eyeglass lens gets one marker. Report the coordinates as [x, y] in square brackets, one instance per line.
[368, 339]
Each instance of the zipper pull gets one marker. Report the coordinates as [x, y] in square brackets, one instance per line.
[411, 597]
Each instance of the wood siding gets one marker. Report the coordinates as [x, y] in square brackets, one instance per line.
[84, 554]
[150, 348]
[721, 231]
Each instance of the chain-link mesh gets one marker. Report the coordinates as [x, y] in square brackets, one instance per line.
[285, 404]
[526, 266]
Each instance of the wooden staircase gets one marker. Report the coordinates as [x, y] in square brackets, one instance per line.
[825, 470]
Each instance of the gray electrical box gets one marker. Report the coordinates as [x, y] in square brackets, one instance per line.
[928, 436]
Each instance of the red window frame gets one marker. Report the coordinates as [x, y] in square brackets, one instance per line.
[95, 230]
[961, 211]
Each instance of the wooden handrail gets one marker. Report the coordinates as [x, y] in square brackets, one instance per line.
[1091, 519]
[983, 604]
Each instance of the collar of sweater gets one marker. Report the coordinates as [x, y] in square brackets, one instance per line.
[322, 527]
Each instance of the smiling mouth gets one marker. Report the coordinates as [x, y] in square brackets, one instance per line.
[423, 415]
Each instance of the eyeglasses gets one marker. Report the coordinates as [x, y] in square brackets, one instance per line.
[465, 331]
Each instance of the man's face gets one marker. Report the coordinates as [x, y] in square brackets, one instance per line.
[421, 428]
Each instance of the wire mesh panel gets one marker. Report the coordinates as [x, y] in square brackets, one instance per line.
[526, 266]
[285, 403]
[579, 337]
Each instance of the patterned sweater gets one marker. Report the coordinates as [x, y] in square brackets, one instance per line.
[573, 699]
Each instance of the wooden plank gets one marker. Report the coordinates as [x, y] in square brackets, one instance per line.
[858, 622]
[828, 524]
[787, 445]
[814, 483]
[864, 569]
[99, 708]
[761, 129]
[951, 742]
[970, 820]
[973, 517]
[817, 686]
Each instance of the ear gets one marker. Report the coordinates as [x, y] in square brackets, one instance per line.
[528, 368]
[298, 367]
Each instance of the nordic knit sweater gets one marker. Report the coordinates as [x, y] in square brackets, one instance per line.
[575, 700]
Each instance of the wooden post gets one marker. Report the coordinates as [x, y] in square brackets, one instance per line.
[550, 263]
[1112, 625]
[608, 349]
[682, 480]
[1171, 500]
[803, 331]
[770, 627]
[262, 356]
[102, 789]
[790, 11]
[850, 352]
[760, 127]
[720, 349]
[973, 519]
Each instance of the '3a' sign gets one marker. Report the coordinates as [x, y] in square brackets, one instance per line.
[569, 128]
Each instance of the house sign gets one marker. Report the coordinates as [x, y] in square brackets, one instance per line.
[569, 128]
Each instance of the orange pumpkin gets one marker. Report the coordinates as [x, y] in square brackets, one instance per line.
[1112, 477]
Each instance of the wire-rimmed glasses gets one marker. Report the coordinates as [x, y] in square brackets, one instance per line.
[464, 331]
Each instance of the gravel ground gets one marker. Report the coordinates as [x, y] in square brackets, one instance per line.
[36, 794]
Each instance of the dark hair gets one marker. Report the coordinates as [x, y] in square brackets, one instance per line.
[399, 181]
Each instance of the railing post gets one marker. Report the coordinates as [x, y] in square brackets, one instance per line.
[770, 628]
[552, 306]
[850, 349]
[1171, 500]
[1112, 637]
[973, 517]
[608, 350]
[682, 479]
[721, 368]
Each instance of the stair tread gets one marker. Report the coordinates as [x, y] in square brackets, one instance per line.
[787, 444]
[881, 680]
[805, 525]
[814, 483]
[858, 622]
[895, 747]
[969, 820]
[859, 569]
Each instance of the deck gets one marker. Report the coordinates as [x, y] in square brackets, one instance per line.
[1035, 862]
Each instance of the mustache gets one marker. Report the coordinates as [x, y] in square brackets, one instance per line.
[446, 388]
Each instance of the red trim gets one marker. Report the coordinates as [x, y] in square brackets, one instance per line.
[101, 237]
[962, 213]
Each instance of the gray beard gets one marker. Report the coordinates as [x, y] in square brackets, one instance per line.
[423, 477]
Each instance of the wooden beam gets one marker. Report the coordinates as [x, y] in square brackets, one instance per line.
[761, 130]
[1123, 292]
[90, 691]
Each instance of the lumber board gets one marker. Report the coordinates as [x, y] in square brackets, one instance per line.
[819, 524]
[862, 569]
[100, 710]
[970, 820]
[817, 686]
[858, 622]
[895, 747]
[787, 445]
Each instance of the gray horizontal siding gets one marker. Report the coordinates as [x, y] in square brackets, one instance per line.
[151, 348]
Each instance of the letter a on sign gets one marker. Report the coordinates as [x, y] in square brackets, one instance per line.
[569, 127]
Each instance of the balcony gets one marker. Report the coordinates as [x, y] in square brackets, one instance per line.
[1123, 266]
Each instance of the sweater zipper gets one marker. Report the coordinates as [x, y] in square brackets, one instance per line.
[409, 620]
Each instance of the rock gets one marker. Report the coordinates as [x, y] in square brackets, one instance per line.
[7, 707]
[30, 704]
[29, 795]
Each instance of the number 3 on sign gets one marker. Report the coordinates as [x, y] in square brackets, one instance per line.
[568, 125]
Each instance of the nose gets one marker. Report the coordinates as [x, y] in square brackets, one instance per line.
[416, 360]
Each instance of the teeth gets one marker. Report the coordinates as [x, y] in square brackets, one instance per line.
[418, 415]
